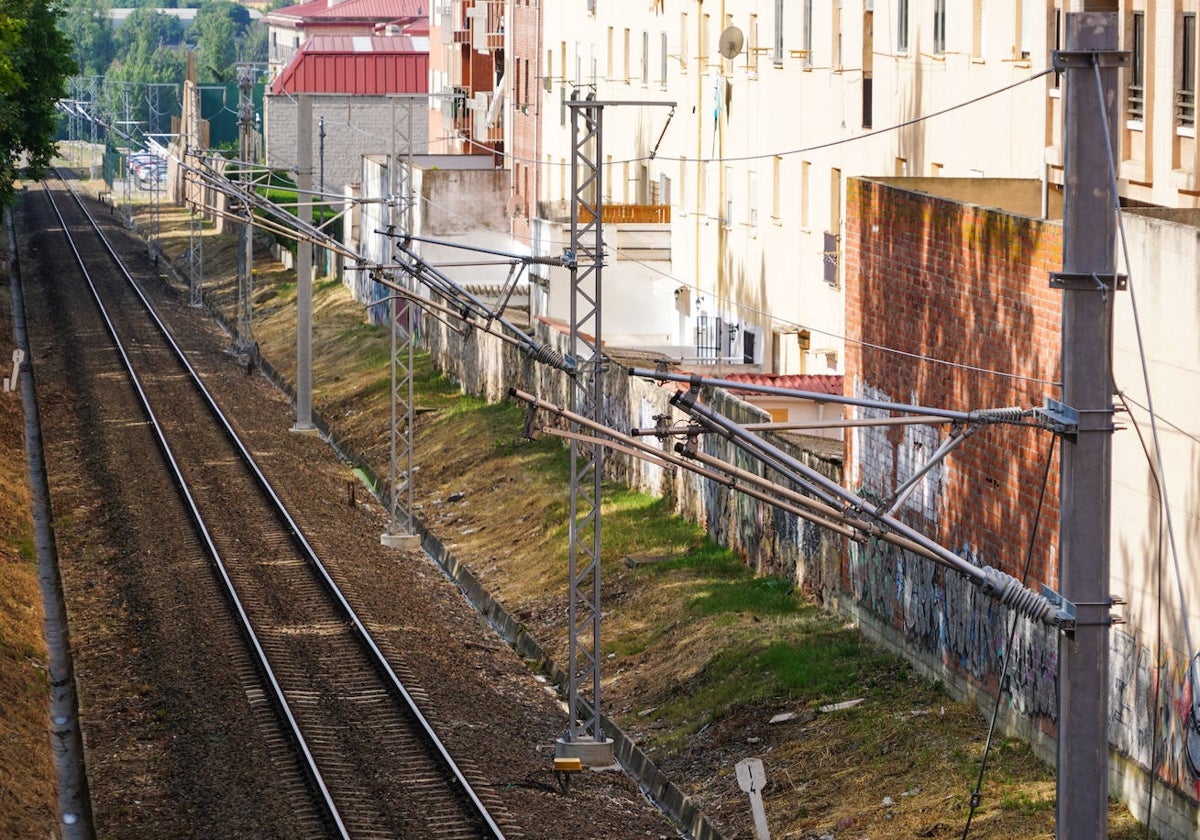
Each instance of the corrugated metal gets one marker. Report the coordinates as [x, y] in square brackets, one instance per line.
[372, 73]
[369, 10]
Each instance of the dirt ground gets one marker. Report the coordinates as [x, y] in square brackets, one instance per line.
[900, 763]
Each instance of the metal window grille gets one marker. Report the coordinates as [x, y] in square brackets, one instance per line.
[1185, 97]
[1135, 103]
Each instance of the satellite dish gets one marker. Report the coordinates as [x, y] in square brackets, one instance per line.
[515, 207]
[731, 42]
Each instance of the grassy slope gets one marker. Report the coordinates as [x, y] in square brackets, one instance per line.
[698, 653]
[27, 804]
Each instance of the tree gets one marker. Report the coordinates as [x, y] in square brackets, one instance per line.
[88, 25]
[35, 63]
[216, 30]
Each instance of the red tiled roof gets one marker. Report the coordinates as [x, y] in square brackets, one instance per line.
[362, 65]
[324, 11]
[818, 383]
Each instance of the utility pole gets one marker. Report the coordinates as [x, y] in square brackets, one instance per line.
[304, 265]
[1089, 284]
[401, 532]
[584, 738]
[245, 301]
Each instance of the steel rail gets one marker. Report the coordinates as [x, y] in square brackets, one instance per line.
[364, 635]
[202, 531]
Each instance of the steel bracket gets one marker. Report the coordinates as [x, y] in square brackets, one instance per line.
[1066, 59]
[1058, 417]
[1088, 281]
[1066, 609]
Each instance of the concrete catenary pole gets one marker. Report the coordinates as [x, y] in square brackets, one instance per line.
[1089, 284]
[304, 156]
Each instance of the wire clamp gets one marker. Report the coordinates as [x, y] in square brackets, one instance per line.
[1066, 610]
[1058, 417]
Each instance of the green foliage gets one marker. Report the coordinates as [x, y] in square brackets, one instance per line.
[88, 28]
[35, 64]
[218, 31]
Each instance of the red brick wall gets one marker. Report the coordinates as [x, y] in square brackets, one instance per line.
[526, 144]
[931, 279]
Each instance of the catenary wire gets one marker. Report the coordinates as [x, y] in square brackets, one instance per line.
[977, 794]
[774, 317]
[726, 301]
[803, 149]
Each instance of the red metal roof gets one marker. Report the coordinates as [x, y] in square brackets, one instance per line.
[819, 383]
[357, 65]
[325, 11]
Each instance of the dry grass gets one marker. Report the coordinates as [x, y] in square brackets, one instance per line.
[27, 797]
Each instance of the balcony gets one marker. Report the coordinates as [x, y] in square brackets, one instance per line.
[613, 214]
[1135, 103]
[1185, 108]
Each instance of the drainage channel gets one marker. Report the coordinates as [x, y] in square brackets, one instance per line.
[74, 802]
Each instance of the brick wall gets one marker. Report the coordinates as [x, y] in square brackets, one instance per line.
[354, 126]
[949, 305]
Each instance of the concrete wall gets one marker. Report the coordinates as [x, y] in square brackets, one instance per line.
[457, 205]
[1151, 652]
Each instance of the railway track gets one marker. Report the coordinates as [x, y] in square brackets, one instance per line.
[367, 763]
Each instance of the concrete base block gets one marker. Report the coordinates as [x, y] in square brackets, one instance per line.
[593, 754]
[404, 542]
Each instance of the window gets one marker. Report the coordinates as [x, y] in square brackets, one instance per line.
[752, 198]
[610, 62]
[683, 44]
[939, 27]
[1136, 98]
[807, 43]
[776, 180]
[978, 30]
[1185, 98]
[625, 60]
[804, 188]
[901, 26]
[662, 67]
[836, 61]
[645, 57]
[683, 185]
[1058, 44]
[1026, 13]
[752, 52]
[777, 54]
[728, 209]
[868, 69]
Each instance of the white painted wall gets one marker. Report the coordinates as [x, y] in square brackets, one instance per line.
[1164, 253]
[753, 183]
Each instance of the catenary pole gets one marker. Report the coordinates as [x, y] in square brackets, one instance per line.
[1089, 283]
[304, 144]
